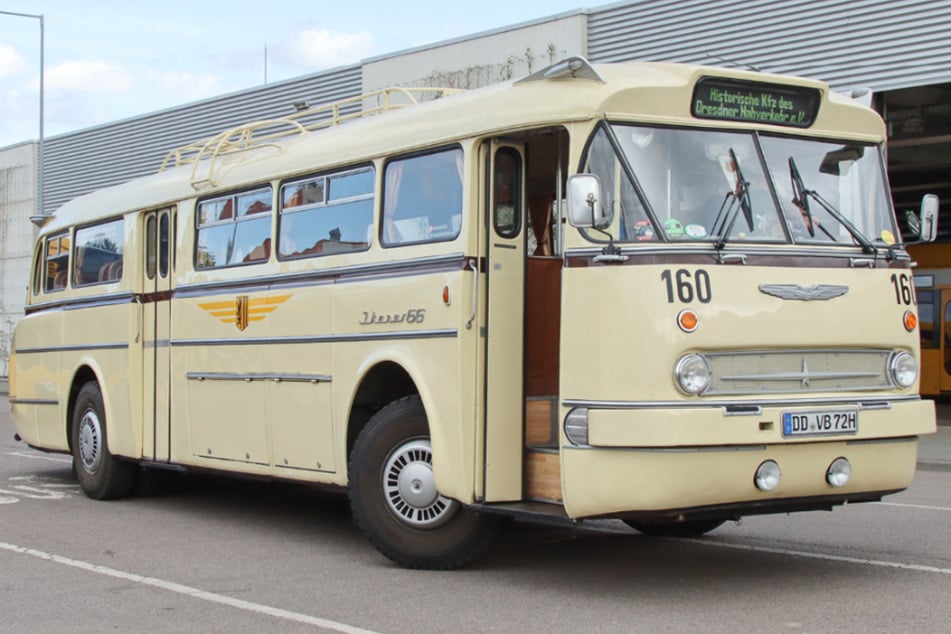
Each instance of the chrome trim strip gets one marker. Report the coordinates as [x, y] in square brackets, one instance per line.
[94, 301]
[685, 449]
[779, 249]
[34, 401]
[275, 377]
[74, 348]
[874, 402]
[799, 376]
[379, 336]
[326, 276]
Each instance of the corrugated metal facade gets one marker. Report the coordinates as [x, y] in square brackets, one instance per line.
[83, 161]
[881, 44]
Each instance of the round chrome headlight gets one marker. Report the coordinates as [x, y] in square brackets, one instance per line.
[903, 368]
[839, 472]
[693, 374]
[767, 475]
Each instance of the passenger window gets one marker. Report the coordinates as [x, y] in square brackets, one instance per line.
[422, 201]
[98, 257]
[37, 270]
[57, 262]
[234, 229]
[326, 215]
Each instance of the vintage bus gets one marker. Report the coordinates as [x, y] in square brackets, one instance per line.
[932, 281]
[666, 294]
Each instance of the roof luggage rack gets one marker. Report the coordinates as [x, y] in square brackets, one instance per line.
[203, 155]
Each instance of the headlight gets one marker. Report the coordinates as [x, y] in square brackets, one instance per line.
[767, 475]
[693, 374]
[903, 369]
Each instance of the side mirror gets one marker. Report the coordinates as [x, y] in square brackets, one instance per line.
[928, 218]
[584, 202]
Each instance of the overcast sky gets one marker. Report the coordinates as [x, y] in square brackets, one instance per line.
[107, 60]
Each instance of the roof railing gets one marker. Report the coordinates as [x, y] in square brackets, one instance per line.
[204, 155]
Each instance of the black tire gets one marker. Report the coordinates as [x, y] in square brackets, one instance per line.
[692, 528]
[101, 475]
[394, 500]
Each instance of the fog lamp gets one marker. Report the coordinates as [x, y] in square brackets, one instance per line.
[576, 426]
[767, 475]
[838, 473]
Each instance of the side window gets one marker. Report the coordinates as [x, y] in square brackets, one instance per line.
[617, 191]
[38, 263]
[234, 229]
[422, 201]
[56, 262]
[507, 177]
[929, 327]
[324, 215]
[98, 256]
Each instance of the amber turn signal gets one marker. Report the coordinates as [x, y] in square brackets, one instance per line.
[688, 320]
[910, 320]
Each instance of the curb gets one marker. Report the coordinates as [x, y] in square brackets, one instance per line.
[934, 466]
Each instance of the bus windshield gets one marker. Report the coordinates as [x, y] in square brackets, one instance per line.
[708, 185]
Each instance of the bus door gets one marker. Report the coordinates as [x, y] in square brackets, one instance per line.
[943, 314]
[154, 333]
[505, 273]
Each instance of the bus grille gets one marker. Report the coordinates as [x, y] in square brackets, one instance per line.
[755, 372]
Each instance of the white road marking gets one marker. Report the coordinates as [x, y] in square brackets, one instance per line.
[825, 556]
[916, 506]
[188, 591]
[39, 456]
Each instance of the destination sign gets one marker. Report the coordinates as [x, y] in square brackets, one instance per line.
[754, 102]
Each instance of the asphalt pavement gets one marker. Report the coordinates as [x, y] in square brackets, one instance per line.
[934, 451]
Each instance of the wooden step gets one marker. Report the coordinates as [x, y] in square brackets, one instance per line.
[541, 428]
[542, 475]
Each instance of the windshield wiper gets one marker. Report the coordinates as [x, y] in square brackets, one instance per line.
[741, 194]
[801, 197]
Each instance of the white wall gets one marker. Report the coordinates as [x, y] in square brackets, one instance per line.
[17, 203]
[482, 58]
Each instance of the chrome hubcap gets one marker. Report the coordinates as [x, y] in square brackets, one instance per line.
[90, 442]
[410, 489]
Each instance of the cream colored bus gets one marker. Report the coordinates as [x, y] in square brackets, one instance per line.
[664, 294]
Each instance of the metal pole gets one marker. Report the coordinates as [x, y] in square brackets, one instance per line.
[40, 215]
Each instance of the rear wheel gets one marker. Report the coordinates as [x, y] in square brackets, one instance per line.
[101, 475]
[692, 528]
[394, 498]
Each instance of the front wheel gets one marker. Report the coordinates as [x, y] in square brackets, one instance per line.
[691, 528]
[101, 475]
[394, 499]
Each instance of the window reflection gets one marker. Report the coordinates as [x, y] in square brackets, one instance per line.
[227, 239]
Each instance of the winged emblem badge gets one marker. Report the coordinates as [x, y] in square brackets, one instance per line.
[804, 293]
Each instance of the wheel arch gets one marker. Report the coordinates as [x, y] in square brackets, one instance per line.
[84, 374]
[384, 379]
[382, 383]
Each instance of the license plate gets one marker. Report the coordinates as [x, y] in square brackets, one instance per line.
[843, 421]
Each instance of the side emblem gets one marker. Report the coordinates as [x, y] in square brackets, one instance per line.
[804, 293]
[243, 310]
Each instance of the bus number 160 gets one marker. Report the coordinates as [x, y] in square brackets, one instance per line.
[687, 286]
